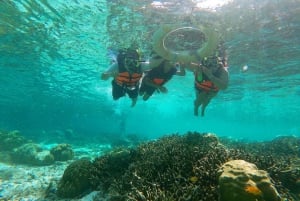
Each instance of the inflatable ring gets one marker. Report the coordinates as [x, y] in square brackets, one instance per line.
[208, 48]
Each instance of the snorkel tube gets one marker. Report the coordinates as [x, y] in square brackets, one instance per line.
[211, 42]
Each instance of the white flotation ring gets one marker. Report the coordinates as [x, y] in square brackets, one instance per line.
[208, 48]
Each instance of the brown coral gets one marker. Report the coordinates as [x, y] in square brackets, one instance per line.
[75, 180]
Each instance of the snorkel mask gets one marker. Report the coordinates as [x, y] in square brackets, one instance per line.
[131, 62]
[131, 59]
[212, 62]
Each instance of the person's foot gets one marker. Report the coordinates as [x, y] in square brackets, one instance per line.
[141, 93]
[133, 102]
[146, 97]
[203, 110]
[195, 109]
[202, 113]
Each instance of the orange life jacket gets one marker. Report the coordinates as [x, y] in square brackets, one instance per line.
[127, 79]
[205, 84]
[158, 81]
[158, 74]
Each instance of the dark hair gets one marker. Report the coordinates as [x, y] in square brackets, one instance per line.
[130, 57]
[210, 61]
[128, 53]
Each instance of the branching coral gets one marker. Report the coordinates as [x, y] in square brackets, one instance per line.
[171, 168]
[178, 167]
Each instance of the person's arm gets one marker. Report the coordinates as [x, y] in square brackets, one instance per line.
[192, 66]
[110, 72]
[152, 63]
[145, 66]
[155, 61]
[221, 81]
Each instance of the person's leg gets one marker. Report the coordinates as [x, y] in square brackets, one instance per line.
[205, 103]
[133, 103]
[117, 91]
[206, 100]
[142, 89]
[146, 96]
[148, 92]
[133, 95]
[197, 102]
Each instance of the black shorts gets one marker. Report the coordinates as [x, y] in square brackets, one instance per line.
[120, 91]
[146, 88]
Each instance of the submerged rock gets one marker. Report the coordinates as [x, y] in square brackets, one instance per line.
[62, 152]
[32, 154]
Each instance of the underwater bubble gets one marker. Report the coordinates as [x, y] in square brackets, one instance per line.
[245, 68]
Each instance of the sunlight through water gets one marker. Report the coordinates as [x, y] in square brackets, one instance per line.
[212, 4]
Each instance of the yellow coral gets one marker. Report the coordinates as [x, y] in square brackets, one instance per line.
[253, 190]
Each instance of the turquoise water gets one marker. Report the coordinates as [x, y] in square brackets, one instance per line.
[52, 54]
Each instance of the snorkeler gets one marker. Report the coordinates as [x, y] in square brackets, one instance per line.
[211, 75]
[127, 72]
[162, 71]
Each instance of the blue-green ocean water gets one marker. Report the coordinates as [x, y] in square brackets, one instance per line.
[53, 52]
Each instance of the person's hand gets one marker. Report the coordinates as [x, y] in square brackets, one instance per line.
[105, 76]
[162, 89]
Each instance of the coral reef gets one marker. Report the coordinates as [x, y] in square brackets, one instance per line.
[76, 179]
[185, 167]
[62, 152]
[14, 148]
[111, 167]
[32, 154]
[162, 170]
[278, 157]
[11, 140]
[240, 180]
[290, 176]
[175, 168]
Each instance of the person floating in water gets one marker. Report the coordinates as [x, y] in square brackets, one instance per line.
[127, 72]
[211, 75]
[161, 72]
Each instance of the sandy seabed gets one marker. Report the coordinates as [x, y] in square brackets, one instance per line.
[36, 183]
